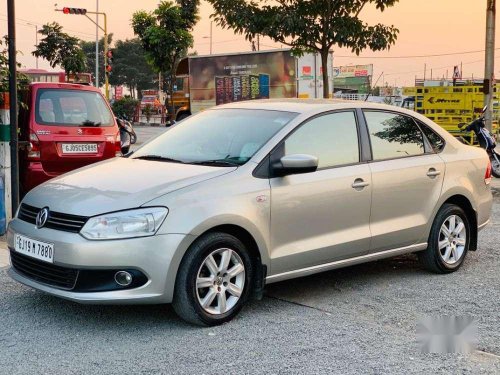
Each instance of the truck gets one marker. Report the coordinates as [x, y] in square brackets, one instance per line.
[206, 81]
[449, 106]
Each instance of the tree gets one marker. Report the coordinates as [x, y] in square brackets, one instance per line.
[165, 35]
[22, 79]
[308, 26]
[125, 108]
[130, 67]
[88, 49]
[59, 48]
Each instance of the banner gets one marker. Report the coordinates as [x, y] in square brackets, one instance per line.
[216, 80]
[350, 71]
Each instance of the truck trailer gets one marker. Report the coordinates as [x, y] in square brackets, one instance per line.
[206, 81]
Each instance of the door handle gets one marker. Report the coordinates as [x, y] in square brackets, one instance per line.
[360, 184]
[433, 173]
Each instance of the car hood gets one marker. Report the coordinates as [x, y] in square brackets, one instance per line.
[117, 184]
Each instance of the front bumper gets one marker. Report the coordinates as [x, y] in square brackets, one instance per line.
[157, 257]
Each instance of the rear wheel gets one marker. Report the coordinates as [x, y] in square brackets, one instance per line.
[213, 281]
[495, 166]
[448, 241]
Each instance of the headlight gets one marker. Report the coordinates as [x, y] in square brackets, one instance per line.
[142, 222]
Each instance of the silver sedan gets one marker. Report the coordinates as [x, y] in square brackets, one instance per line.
[246, 194]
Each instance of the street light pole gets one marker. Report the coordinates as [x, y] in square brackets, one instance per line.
[97, 44]
[11, 15]
[489, 68]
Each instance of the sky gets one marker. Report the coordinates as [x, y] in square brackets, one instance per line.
[427, 27]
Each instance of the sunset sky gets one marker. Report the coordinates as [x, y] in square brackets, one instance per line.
[427, 27]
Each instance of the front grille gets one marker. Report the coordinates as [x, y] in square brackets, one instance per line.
[43, 272]
[56, 220]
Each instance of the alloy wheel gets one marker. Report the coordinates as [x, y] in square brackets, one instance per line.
[220, 281]
[452, 239]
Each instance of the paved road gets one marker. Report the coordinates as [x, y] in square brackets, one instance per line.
[357, 320]
[145, 133]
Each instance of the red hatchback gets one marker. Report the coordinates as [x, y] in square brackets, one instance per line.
[65, 126]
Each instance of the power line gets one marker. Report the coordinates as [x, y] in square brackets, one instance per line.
[412, 57]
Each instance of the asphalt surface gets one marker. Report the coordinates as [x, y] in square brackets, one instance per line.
[356, 320]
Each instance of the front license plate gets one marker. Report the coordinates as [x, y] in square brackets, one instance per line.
[33, 248]
[79, 148]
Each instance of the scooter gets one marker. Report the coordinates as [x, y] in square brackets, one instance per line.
[486, 141]
[128, 136]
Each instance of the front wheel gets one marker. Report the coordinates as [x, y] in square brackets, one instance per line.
[495, 165]
[448, 241]
[213, 281]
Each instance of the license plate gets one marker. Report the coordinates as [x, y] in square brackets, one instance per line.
[34, 248]
[79, 148]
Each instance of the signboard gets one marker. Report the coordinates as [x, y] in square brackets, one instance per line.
[118, 92]
[350, 71]
[216, 80]
[310, 80]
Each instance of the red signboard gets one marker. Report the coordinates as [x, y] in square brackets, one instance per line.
[118, 92]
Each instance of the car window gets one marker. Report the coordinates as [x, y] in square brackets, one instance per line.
[332, 138]
[72, 108]
[393, 136]
[435, 140]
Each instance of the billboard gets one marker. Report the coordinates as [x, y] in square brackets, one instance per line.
[350, 71]
[216, 80]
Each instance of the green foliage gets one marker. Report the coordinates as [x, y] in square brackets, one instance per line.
[22, 79]
[165, 35]
[148, 111]
[88, 49]
[59, 48]
[315, 25]
[130, 67]
[125, 108]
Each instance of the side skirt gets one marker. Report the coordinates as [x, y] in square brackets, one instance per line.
[344, 263]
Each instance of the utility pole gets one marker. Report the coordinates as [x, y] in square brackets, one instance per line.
[11, 15]
[97, 44]
[36, 38]
[489, 68]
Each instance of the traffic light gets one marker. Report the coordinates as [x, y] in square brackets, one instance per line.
[79, 11]
[109, 62]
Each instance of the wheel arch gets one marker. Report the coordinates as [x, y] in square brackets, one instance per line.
[465, 204]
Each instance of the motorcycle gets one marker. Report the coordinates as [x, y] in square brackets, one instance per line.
[486, 141]
[128, 136]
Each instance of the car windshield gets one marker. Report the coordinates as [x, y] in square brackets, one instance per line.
[71, 108]
[223, 137]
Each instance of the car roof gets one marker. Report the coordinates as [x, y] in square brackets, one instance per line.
[62, 86]
[308, 105]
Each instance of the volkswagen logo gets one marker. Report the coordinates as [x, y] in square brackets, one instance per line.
[42, 217]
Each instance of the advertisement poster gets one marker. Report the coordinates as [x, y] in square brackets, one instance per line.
[217, 80]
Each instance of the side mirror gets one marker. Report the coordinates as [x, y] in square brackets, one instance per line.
[295, 164]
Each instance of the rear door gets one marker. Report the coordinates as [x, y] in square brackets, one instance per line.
[74, 128]
[407, 177]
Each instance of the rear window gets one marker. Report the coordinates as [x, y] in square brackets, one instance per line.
[71, 108]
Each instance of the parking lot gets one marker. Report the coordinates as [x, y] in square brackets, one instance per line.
[360, 319]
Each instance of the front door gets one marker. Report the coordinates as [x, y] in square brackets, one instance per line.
[322, 216]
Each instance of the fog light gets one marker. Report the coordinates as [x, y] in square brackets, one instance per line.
[123, 278]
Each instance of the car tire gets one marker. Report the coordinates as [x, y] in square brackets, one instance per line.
[446, 253]
[198, 279]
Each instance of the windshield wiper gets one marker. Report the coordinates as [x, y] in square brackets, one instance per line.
[90, 123]
[219, 162]
[159, 158]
